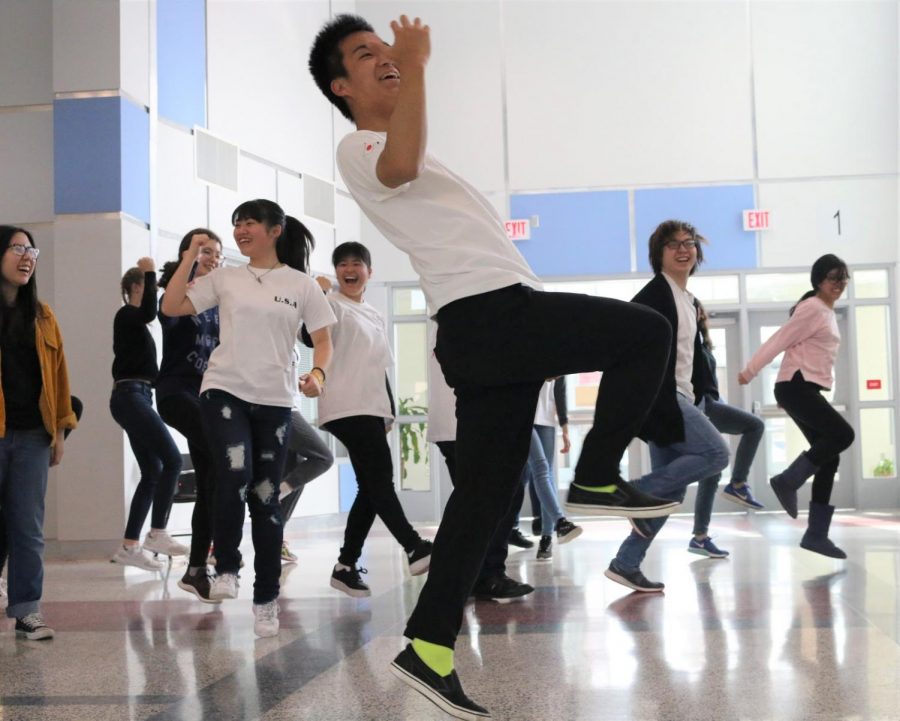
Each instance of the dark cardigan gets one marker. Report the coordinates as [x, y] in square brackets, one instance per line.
[664, 424]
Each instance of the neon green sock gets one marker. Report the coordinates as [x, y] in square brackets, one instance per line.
[596, 489]
[438, 658]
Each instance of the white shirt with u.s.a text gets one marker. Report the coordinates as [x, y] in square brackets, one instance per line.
[258, 326]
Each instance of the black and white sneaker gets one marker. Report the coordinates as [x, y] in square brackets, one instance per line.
[199, 584]
[501, 589]
[445, 692]
[33, 627]
[634, 580]
[420, 558]
[517, 539]
[567, 531]
[625, 500]
[545, 549]
[348, 581]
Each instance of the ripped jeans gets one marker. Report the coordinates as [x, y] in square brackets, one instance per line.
[248, 447]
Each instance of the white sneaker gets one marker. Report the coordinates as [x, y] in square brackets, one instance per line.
[225, 586]
[162, 542]
[134, 556]
[266, 619]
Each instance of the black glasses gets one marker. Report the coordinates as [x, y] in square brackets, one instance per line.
[20, 250]
[678, 244]
[837, 278]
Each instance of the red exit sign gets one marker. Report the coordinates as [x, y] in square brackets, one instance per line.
[518, 229]
[756, 219]
[873, 384]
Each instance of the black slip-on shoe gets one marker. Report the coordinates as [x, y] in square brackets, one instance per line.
[625, 500]
[445, 692]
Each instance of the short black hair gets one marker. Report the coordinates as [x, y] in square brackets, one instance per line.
[351, 249]
[665, 232]
[326, 62]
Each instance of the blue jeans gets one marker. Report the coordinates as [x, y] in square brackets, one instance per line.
[24, 462]
[701, 454]
[539, 470]
[308, 457]
[131, 405]
[733, 421]
[248, 443]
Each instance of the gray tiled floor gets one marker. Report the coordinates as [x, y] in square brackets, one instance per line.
[772, 633]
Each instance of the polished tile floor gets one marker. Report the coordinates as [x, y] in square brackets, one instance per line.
[774, 632]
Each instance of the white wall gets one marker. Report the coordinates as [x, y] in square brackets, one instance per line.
[798, 98]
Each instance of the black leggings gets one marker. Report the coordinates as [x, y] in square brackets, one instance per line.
[370, 454]
[181, 411]
[825, 429]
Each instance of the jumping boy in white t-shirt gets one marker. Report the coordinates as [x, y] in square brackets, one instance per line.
[499, 336]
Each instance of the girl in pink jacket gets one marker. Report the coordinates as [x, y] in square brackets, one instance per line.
[810, 341]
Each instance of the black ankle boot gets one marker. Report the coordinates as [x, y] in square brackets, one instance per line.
[788, 482]
[816, 537]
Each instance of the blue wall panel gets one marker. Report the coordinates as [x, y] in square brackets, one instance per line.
[101, 157]
[581, 233]
[346, 487]
[715, 211]
[87, 155]
[181, 61]
[135, 160]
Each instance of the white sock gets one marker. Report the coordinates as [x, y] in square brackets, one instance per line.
[341, 567]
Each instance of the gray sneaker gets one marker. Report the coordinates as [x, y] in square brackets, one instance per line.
[33, 627]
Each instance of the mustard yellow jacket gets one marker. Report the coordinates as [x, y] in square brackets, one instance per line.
[55, 400]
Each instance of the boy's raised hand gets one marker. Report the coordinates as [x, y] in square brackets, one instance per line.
[412, 43]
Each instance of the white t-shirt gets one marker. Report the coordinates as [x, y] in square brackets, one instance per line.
[258, 326]
[546, 407]
[453, 236]
[362, 356]
[441, 398]
[687, 332]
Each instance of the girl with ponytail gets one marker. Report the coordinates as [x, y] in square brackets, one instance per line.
[810, 341]
[248, 388]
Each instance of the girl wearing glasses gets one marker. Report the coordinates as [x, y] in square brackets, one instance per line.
[810, 340]
[188, 342]
[35, 411]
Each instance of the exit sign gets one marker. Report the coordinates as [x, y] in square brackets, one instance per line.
[518, 229]
[756, 220]
[873, 384]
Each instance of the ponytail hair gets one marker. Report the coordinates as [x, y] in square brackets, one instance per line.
[702, 324]
[133, 276]
[168, 270]
[817, 274]
[294, 246]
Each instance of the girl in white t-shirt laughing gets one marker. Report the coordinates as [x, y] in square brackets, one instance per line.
[358, 410]
[248, 387]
